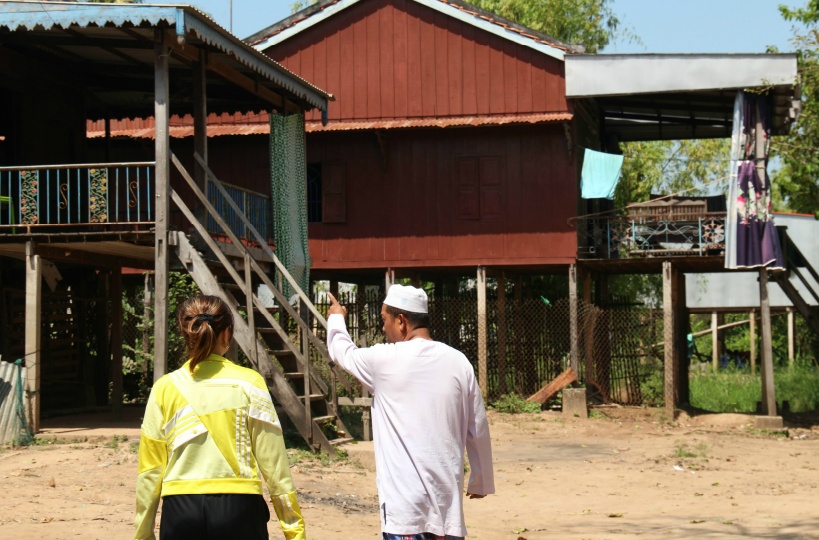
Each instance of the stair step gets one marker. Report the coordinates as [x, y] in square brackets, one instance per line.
[294, 375]
[341, 440]
[280, 352]
[313, 397]
[320, 419]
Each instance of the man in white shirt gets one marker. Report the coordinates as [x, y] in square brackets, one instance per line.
[427, 408]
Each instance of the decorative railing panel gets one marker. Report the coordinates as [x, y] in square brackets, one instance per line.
[106, 195]
[256, 206]
[628, 236]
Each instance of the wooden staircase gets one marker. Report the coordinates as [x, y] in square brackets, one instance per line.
[794, 260]
[291, 365]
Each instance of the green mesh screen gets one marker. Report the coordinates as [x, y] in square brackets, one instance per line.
[289, 190]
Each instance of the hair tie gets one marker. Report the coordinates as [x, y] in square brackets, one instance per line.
[205, 317]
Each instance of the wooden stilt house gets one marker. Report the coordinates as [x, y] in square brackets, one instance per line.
[73, 214]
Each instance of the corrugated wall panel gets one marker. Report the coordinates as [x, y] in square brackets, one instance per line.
[9, 424]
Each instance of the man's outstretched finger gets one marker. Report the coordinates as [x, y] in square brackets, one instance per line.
[332, 299]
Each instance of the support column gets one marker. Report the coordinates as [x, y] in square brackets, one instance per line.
[502, 333]
[162, 207]
[115, 296]
[482, 374]
[768, 393]
[670, 292]
[200, 128]
[389, 279]
[752, 339]
[790, 337]
[147, 301]
[715, 340]
[34, 302]
[681, 342]
[573, 320]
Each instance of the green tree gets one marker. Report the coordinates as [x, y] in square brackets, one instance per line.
[796, 184]
[590, 23]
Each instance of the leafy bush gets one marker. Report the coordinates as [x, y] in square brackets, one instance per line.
[514, 404]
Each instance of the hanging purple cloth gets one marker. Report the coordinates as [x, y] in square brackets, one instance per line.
[755, 242]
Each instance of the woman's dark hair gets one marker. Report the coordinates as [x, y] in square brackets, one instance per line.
[415, 320]
[201, 319]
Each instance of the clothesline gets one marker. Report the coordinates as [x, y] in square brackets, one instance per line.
[636, 205]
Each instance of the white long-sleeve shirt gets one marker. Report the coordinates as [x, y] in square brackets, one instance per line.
[427, 408]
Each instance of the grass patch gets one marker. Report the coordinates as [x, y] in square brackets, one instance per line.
[514, 404]
[683, 450]
[115, 440]
[737, 391]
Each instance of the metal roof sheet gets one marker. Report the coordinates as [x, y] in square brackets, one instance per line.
[121, 29]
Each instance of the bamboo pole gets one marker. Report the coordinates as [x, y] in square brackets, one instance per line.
[162, 207]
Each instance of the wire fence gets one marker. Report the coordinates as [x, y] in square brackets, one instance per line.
[529, 342]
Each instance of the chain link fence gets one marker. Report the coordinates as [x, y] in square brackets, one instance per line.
[529, 342]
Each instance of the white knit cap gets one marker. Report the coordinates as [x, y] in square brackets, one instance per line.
[407, 298]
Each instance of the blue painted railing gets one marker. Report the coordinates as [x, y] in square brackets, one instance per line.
[256, 206]
[627, 236]
[107, 195]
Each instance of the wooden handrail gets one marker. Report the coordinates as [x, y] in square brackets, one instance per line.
[262, 242]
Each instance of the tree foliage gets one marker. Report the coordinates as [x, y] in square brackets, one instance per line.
[796, 184]
[590, 23]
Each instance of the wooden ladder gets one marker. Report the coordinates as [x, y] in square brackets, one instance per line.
[288, 365]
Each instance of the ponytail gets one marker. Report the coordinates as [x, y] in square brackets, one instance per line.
[201, 320]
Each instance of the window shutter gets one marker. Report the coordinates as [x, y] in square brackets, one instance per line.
[334, 198]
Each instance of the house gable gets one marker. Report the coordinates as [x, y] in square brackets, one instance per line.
[402, 59]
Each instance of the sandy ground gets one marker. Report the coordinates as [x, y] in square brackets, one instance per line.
[622, 474]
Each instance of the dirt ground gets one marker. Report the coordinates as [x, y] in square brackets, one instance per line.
[622, 474]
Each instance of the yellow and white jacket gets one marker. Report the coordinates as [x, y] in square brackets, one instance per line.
[211, 432]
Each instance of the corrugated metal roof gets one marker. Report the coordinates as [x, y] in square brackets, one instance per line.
[189, 23]
[259, 124]
[458, 9]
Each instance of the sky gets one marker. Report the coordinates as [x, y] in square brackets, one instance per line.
[663, 26]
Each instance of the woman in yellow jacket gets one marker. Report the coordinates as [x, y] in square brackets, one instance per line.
[209, 429]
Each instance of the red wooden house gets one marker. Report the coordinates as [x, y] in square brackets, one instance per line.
[449, 143]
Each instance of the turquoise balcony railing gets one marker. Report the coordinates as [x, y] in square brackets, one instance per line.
[105, 196]
[256, 206]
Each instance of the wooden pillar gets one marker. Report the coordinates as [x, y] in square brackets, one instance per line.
[715, 353]
[200, 128]
[681, 342]
[115, 299]
[162, 207]
[768, 393]
[670, 292]
[573, 320]
[752, 339]
[147, 301]
[790, 337]
[502, 333]
[389, 279]
[482, 373]
[34, 302]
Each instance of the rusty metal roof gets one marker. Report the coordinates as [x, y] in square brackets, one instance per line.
[110, 47]
[259, 124]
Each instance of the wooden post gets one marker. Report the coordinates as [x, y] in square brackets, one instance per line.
[250, 310]
[681, 341]
[304, 313]
[573, 322]
[115, 299]
[482, 382]
[147, 301]
[768, 392]
[715, 340]
[34, 302]
[790, 337]
[200, 128]
[752, 339]
[502, 333]
[162, 207]
[389, 279]
[670, 291]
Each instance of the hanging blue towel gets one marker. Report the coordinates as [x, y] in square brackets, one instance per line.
[600, 175]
